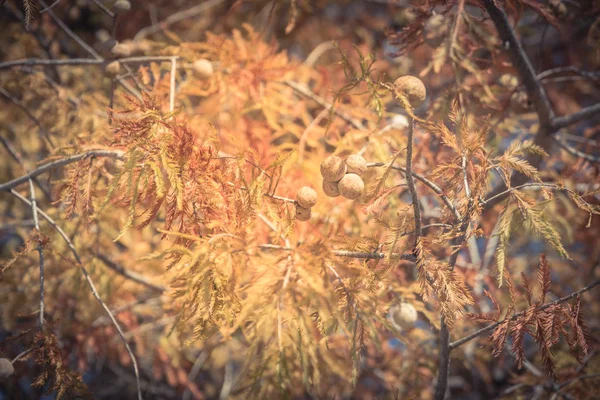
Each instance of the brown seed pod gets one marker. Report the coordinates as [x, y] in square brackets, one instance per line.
[405, 16]
[356, 164]
[402, 316]
[412, 88]
[351, 186]
[112, 69]
[121, 6]
[508, 81]
[559, 8]
[302, 214]
[121, 50]
[333, 168]
[435, 30]
[203, 68]
[520, 103]
[6, 368]
[306, 197]
[330, 188]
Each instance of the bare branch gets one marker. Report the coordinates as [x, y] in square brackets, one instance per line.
[14, 154]
[587, 112]
[176, 17]
[444, 361]
[172, 84]
[535, 90]
[573, 151]
[118, 154]
[559, 70]
[32, 62]
[40, 251]
[91, 286]
[23, 108]
[69, 32]
[429, 184]
[523, 65]
[306, 92]
[50, 6]
[523, 186]
[133, 276]
[21, 355]
[103, 8]
[410, 182]
[368, 255]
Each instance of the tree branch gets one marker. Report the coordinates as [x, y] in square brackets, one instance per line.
[521, 62]
[444, 362]
[368, 255]
[176, 17]
[91, 286]
[491, 327]
[535, 90]
[306, 92]
[118, 154]
[428, 183]
[69, 32]
[40, 251]
[133, 276]
[410, 182]
[32, 62]
[587, 112]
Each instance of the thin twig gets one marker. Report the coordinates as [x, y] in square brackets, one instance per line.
[227, 379]
[306, 92]
[69, 32]
[443, 361]
[532, 185]
[14, 154]
[147, 300]
[304, 136]
[274, 247]
[23, 108]
[21, 355]
[584, 113]
[444, 335]
[491, 327]
[280, 198]
[40, 251]
[32, 62]
[314, 55]
[371, 255]
[559, 70]
[573, 151]
[91, 286]
[87, 48]
[465, 177]
[133, 276]
[578, 139]
[49, 7]
[148, 326]
[103, 8]
[118, 154]
[286, 280]
[428, 183]
[410, 182]
[176, 17]
[579, 378]
[198, 364]
[172, 84]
